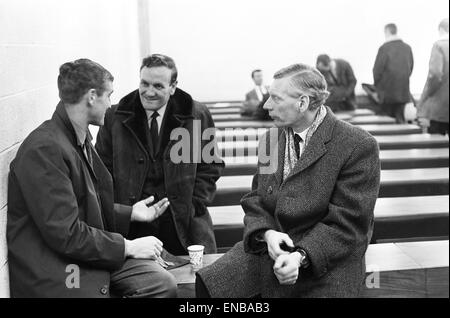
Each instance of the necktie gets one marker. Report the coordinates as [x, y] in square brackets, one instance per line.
[297, 141]
[154, 131]
[87, 151]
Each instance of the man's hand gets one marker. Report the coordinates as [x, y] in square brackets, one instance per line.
[274, 239]
[423, 122]
[148, 247]
[142, 213]
[286, 268]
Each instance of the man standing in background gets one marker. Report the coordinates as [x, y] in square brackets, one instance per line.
[255, 99]
[393, 67]
[432, 109]
[341, 82]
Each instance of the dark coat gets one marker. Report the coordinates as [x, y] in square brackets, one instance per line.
[326, 206]
[190, 187]
[393, 67]
[434, 101]
[252, 103]
[344, 88]
[61, 212]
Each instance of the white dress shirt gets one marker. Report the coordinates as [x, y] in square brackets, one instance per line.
[302, 135]
[159, 119]
[260, 91]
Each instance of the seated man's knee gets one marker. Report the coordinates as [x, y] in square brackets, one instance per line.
[168, 284]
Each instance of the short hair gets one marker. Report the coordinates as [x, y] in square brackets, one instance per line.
[76, 78]
[392, 28]
[324, 59]
[444, 25]
[306, 80]
[157, 60]
[255, 71]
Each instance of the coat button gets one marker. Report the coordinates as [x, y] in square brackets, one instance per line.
[132, 199]
[104, 290]
[141, 160]
[269, 190]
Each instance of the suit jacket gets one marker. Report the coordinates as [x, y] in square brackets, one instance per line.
[434, 101]
[190, 187]
[344, 89]
[391, 72]
[61, 212]
[325, 205]
[251, 102]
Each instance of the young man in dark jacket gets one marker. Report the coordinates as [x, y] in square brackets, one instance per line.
[65, 235]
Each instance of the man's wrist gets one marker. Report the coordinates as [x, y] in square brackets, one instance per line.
[304, 262]
[264, 235]
[127, 248]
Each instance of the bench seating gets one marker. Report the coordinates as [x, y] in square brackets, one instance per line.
[238, 117]
[414, 141]
[234, 133]
[223, 105]
[395, 219]
[359, 120]
[235, 108]
[413, 269]
[390, 159]
[394, 183]
[227, 110]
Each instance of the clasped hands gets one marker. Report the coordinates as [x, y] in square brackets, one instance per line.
[286, 267]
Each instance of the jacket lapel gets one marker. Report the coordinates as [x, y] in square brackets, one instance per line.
[316, 147]
[61, 116]
[135, 119]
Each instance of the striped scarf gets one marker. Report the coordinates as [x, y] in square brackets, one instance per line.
[290, 157]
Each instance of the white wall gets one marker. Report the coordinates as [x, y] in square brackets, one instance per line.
[36, 37]
[216, 44]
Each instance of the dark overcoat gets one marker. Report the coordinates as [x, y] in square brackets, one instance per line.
[325, 205]
[391, 72]
[189, 186]
[62, 217]
[344, 89]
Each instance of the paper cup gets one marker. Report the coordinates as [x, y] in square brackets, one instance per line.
[196, 255]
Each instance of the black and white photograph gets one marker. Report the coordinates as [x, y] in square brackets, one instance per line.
[225, 155]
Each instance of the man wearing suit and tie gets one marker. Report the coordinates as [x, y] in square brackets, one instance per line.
[309, 221]
[255, 99]
[135, 145]
[341, 82]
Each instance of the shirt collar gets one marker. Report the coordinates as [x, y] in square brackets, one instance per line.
[81, 133]
[160, 111]
[393, 38]
[303, 134]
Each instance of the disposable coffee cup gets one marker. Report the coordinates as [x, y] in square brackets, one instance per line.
[196, 256]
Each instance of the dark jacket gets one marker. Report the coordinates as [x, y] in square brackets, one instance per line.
[393, 67]
[326, 206]
[434, 101]
[61, 212]
[190, 187]
[343, 89]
